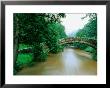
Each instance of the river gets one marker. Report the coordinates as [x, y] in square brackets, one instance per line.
[69, 62]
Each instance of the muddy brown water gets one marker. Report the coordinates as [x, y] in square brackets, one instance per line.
[69, 62]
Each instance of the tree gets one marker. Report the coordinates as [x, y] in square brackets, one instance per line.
[56, 32]
[88, 31]
[31, 29]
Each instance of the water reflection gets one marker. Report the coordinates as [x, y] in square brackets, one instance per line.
[69, 62]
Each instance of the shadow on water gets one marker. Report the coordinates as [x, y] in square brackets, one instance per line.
[69, 62]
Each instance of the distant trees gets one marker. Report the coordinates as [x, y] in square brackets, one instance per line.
[88, 31]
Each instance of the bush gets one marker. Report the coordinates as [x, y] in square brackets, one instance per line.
[94, 55]
[80, 45]
[56, 48]
[40, 52]
[23, 60]
[89, 49]
[92, 51]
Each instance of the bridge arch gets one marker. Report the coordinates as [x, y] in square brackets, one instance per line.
[91, 42]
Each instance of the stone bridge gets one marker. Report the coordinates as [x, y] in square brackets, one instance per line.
[89, 41]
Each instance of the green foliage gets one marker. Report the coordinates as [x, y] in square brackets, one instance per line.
[80, 45]
[40, 52]
[40, 31]
[22, 46]
[34, 28]
[32, 24]
[23, 60]
[88, 31]
[56, 32]
[89, 49]
[92, 51]
[94, 55]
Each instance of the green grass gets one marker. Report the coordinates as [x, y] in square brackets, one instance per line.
[24, 59]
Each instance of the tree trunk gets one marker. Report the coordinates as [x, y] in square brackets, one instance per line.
[16, 47]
